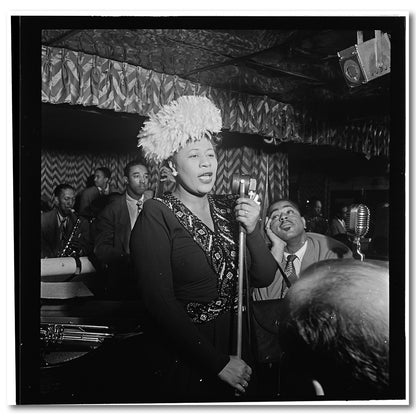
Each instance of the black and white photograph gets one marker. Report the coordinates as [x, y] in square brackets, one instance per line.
[222, 209]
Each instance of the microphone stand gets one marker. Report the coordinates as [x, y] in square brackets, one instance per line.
[357, 249]
[241, 253]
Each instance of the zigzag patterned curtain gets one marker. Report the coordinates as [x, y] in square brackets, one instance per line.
[270, 170]
[75, 168]
[79, 78]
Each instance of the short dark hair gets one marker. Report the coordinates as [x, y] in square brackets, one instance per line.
[62, 187]
[338, 208]
[132, 163]
[105, 171]
[314, 200]
[337, 328]
[294, 204]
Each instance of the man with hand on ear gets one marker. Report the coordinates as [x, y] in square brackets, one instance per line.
[294, 248]
[113, 228]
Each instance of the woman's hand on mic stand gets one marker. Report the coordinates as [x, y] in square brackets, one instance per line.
[247, 213]
[236, 373]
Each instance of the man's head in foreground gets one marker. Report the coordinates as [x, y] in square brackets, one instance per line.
[337, 330]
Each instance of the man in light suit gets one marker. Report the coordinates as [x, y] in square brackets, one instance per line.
[112, 230]
[293, 248]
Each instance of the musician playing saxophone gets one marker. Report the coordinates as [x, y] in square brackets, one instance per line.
[63, 232]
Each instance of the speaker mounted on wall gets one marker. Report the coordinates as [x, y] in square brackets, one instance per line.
[366, 61]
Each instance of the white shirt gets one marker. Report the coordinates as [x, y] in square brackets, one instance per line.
[342, 222]
[132, 207]
[298, 261]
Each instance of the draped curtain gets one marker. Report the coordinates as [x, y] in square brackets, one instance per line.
[270, 170]
[74, 168]
[78, 78]
[82, 79]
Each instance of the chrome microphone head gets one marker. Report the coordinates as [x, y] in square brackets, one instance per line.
[358, 220]
[250, 184]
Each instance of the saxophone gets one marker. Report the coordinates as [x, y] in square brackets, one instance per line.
[68, 250]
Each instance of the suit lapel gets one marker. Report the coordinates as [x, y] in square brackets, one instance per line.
[124, 224]
[309, 257]
[54, 231]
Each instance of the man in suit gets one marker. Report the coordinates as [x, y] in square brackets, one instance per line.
[57, 226]
[337, 225]
[94, 198]
[113, 228]
[293, 248]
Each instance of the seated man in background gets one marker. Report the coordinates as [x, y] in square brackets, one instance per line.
[293, 248]
[315, 221]
[336, 333]
[337, 225]
[112, 230]
[93, 198]
[63, 233]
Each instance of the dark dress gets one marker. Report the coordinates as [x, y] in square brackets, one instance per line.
[188, 280]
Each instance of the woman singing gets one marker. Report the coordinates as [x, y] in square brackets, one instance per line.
[184, 247]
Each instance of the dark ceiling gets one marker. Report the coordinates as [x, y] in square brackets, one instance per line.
[300, 67]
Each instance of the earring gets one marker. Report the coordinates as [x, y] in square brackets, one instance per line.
[174, 171]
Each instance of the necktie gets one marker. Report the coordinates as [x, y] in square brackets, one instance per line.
[290, 271]
[139, 207]
[63, 228]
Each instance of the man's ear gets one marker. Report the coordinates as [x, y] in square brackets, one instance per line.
[125, 179]
[304, 222]
[172, 168]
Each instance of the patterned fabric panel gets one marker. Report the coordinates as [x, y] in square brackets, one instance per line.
[75, 168]
[79, 78]
[84, 79]
[184, 51]
[270, 170]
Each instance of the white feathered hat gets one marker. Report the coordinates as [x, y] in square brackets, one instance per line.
[187, 119]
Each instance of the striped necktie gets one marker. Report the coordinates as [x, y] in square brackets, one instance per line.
[139, 206]
[290, 272]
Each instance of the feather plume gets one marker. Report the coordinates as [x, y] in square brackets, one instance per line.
[187, 119]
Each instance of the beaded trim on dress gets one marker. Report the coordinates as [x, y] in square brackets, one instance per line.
[220, 249]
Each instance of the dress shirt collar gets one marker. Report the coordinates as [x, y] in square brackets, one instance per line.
[132, 207]
[61, 218]
[299, 256]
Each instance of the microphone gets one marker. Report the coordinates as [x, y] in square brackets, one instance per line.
[249, 184]
[358, 223]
